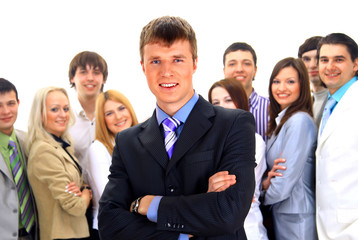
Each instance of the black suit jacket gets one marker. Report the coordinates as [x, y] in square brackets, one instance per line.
[213, 139]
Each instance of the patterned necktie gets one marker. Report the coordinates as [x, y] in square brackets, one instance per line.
[22, 186]
[327, 112]
[170, 125]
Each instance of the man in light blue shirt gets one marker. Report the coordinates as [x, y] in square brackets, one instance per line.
[337, 147]
[188, 171]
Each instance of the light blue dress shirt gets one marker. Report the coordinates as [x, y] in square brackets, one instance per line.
[340, 92]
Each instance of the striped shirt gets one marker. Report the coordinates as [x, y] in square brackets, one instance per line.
[259, 108]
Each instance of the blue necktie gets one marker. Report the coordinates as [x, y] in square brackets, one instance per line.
[170, 125]
[327, 112]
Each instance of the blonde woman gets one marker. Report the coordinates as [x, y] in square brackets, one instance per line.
[114, 113]
[53, 170]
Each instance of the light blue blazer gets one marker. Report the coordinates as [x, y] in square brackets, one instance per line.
[292, 196]
[294, 192]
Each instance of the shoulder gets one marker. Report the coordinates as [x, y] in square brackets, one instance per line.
[96, 146]
[300, 117]
[300, 122]
[41, 146]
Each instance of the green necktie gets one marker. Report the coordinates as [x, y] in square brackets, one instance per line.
[22, 186]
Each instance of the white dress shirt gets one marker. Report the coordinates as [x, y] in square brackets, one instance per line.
[99, 161]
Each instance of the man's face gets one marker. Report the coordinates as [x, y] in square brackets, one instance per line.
[336, 67]
[88, 81]
[8, 112]
[310, 60]
[240, 65]
[169, 72]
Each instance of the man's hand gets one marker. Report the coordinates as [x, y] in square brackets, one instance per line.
[144, 204]
[271, 174]
[221, 181]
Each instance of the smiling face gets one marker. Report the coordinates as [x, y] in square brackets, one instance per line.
[116, 116]
[57, 111]
[336, 67]
[221, 97]
[285, 87]
[88, 81]
[241, 66]
[8, 111]
[169, 72]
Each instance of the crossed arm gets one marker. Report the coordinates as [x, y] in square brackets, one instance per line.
[218, 182]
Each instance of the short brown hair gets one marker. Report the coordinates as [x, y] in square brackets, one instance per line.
[304, 101]
[167, 30]
[85, 58]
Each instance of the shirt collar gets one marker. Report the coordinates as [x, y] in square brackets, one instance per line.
[61, 141]
[183, 112]
[342, 90]
[253, 99]
[280, 116]
[4, 139]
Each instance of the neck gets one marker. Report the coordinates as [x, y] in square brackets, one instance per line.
[89, 106]
[249, 91]
[317, 88]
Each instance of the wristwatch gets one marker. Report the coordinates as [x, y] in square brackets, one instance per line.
[136, 205]
[85, 187]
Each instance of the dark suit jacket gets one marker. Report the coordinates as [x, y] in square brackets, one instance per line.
[213, 139]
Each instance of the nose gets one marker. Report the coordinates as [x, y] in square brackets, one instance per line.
[90, 76]
[4, 109]
[239, 67]
[117, 114]
[330, 65]
[62, 113]
[166, 70]
[282, 86]
[313, 63]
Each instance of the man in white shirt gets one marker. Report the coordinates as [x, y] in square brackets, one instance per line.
[87, 73]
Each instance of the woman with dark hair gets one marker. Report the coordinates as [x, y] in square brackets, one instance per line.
[290, 152]
[229, 93]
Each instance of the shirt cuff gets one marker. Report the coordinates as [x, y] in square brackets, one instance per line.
[183, 236]
[152, 213]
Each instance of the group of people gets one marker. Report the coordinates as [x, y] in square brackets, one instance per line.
[238, 166]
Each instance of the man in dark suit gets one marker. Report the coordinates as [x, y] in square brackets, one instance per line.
[190, 178]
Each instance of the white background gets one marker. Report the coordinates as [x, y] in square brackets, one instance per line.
[38, 39]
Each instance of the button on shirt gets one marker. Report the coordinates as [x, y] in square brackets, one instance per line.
[83, 134]
[182, 116]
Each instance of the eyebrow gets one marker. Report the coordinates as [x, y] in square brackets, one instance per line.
[338, 56]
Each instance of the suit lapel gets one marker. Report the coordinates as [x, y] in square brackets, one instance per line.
[153, 142]
[5, 169]
[195, 127]
[270, 142]
[345, 104]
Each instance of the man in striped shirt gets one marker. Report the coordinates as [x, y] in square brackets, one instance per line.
[240, 63]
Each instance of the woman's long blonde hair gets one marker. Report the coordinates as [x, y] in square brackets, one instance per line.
[38, 117]
[103, 134]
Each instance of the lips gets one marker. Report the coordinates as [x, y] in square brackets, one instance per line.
[332, 75]
[240, 77]
[168, 85]
[313, 73]
[6, 119]
[120, 123]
